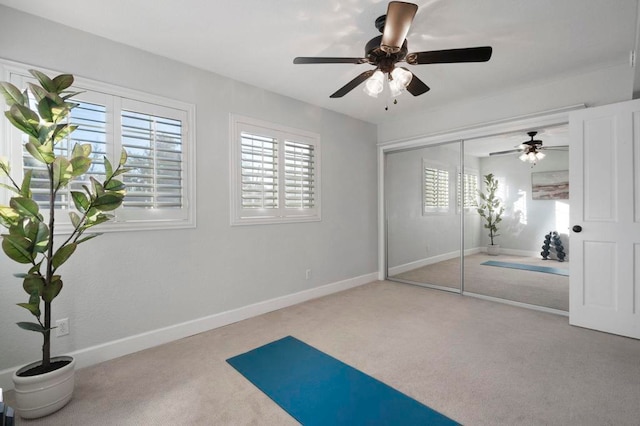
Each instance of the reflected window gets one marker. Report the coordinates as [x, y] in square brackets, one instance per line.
[467, 189]
[435, 189]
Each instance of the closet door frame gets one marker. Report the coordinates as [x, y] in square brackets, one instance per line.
[466, 135]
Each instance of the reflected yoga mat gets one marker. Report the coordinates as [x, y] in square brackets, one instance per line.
[535, 268]
[317, 389]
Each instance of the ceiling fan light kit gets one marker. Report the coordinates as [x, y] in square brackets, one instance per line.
[385, 51]
[532, 156]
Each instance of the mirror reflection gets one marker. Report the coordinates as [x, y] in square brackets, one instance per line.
[433, 197]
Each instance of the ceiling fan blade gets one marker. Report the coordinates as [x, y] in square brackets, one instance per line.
[416, 87]
[555, 148]
[511, 151]
[469, 54]
[398, 21]
[352, 84]
[312, 60]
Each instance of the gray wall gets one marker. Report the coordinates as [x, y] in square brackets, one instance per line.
[526, 230]
[413, 236]
[593, 87]
[122, 284]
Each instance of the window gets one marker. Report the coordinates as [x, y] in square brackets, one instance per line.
[435, 189]
[467, 189]
[275, 173]
[155, 133]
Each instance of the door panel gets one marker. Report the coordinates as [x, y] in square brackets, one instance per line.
[604, 175]
[599, 290]
[600, 169]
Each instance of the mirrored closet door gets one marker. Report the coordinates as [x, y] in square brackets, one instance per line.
[423, 214]
[436, 237]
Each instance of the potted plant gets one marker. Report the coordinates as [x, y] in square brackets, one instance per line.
[42, 112]
[490, 210]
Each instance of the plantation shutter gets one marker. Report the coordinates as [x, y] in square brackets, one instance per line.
[91, 120]
[436, 189]
[155, 157]
[467, 190]
[259, 172]
[299, 184]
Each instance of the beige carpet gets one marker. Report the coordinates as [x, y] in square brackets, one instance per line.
[535, 288]
[477, 361]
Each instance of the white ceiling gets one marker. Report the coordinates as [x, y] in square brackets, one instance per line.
[255, 41]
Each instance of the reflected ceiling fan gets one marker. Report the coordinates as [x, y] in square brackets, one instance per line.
[387, 50]
[531, 150]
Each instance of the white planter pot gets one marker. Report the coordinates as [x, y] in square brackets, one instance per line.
[41, 395]
[493, 249]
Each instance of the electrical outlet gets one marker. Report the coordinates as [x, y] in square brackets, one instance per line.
[62, 327]
[308, 274]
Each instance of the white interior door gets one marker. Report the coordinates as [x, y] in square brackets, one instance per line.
[605, 202]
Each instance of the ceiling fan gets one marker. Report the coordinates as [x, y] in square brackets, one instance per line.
[387, 50]
[531, 150]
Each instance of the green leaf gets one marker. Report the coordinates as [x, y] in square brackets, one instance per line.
[63, 254]
[17, 248]
[98, 189]
[44, 80]
[11, 94]
[80, 200]
[34, 309]
[8, 215]
[108, 202]
[31, 326]
[38, 233]
[62, 82]
[69, 95]
[108, 168]
[87, 238]
[5, 167]
[123, 157]
[51, 290]
[33, 284]
[62, 172]
[62, 131]
[120, 171]
[10, 188]
[25, 188]
[114, 185]
[43, 153]
[75, 219]
[48, 109]
[82, 150]
[80, 165]
[24, 119]
[25, 207]
[38, 92]
[96, 220]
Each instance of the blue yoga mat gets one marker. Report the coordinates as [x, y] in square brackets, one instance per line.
[535, 268]
[317, 389]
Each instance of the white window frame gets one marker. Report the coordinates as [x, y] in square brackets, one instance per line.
[460, 188]
[114, 98]
[244, 216]
[431, 210]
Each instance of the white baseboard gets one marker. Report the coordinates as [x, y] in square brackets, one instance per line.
[117, 348]
[430, 261]
[515, 252]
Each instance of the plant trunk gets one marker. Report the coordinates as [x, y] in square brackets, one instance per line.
[46, 345]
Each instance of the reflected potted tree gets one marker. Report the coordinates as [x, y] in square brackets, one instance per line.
[490, 210]
[42, 112]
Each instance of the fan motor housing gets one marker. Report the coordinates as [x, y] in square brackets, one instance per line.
[385, 61]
